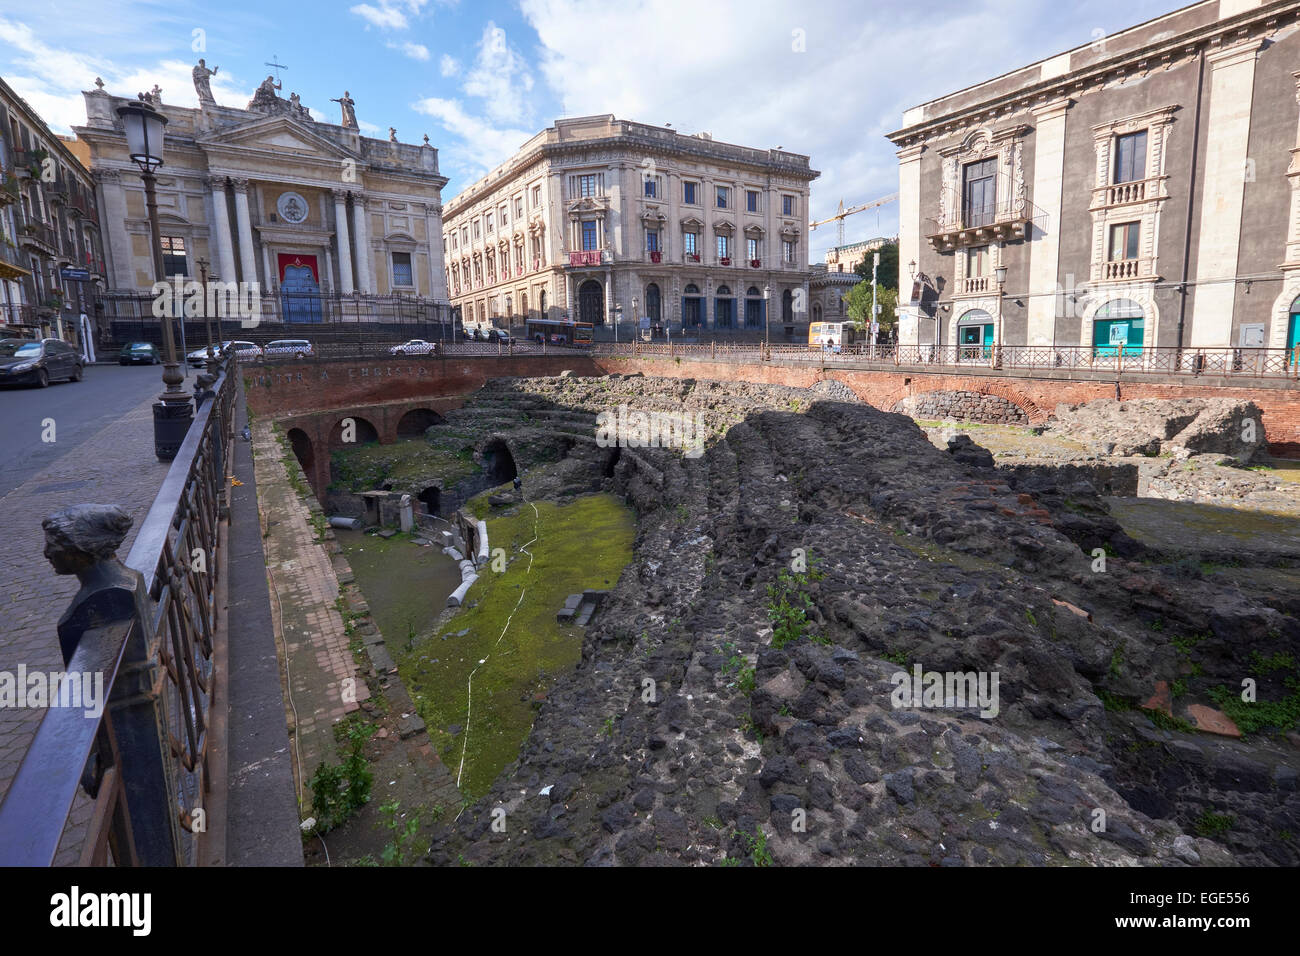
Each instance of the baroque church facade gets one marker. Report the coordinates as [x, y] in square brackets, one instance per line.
[268, 195]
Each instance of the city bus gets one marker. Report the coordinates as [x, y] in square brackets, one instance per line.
[559, 332]
[837, 335]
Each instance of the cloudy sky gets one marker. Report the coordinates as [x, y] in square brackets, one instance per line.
[824, 77]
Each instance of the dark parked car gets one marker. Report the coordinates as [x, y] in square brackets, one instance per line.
[28, 362]
[139, 353]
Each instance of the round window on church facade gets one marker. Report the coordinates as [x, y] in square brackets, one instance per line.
[291, 207]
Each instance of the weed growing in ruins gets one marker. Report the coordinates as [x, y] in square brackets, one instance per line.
[338, 791]
[319, 525]
[1261, 665]
[1253, 716]
[608, 727]
[745, 680]
[1165, 722]
[1184, 644]
[403, 849]
[756, 845]
[1211, 824]
[1116, 659]
[895, 657]
[788, 604]
[1112, 702]
[1029, 616]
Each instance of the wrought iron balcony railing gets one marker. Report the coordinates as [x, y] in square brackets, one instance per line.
[1002, 221]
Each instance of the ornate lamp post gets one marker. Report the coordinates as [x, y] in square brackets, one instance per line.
[173, 413]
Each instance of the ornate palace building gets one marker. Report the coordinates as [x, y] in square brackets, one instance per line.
[1142, 190]
[266, 194]
[599, 219]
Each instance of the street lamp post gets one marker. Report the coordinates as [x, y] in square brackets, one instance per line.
[767, 320]
[1001, 274]
[173, 413]
[207, 319]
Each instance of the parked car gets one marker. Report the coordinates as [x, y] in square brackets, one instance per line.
[288, 348]
[139, 353]
[499, 335]
[199, 357]
[246, 351]
[29, 362]
[415, 347]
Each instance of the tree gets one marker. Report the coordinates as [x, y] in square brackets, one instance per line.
[858, 304]
[887, 274]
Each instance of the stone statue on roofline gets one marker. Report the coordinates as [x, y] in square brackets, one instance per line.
[203, 83]
[264, 99]
[348, 107]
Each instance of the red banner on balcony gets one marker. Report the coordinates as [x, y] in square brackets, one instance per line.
[587, 257]
[755, 263]
[656, 256]
[724, 260]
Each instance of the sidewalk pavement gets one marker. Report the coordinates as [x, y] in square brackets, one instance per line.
[117, 466]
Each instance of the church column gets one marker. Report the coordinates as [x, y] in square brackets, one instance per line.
[223, 250]
[365, 282]
[344, 243]
[247, 264]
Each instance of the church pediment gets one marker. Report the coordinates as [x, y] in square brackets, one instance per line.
[278, 134]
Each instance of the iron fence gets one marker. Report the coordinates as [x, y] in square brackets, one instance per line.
[144, 760]
[1263, 363]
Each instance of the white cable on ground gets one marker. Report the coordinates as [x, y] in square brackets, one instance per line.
[469, 690]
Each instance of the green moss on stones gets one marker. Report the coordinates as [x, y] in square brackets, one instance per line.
[585, 544]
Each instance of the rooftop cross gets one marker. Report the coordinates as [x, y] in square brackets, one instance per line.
[277, 66]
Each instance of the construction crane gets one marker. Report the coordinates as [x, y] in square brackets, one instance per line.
[843, 213]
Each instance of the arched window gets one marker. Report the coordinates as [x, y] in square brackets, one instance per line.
[787, 307]
[817, 312]
[974, 335]
[692, 307]
[1118, 324]
[753, 291]
[541, 304]
[1293, 333]
[724, 308]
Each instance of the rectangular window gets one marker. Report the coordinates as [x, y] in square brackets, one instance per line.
[402, 269]
[587, 185]
[588, 234]
[723, 195]
[787, 250]
[1124, 240]
[476, 229]
[979, 192]
[752, 248]
[651, 187]
[537, 196]
[977, 261]
[487, 221]
[652, 240]
[519, 207]
[1131, 157]
[505, 216]
[464, 235]
[751, 200]
[688, 194]
[175, 261]
[690, 240]
[724, 247]
[787, 205]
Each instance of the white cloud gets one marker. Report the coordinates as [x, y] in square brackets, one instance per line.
[484, 144]
[448, 65]
[500, 77]
[416, 51]
[389, 14]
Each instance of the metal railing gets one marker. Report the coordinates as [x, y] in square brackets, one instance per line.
[144, 760]
[1259, 363]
